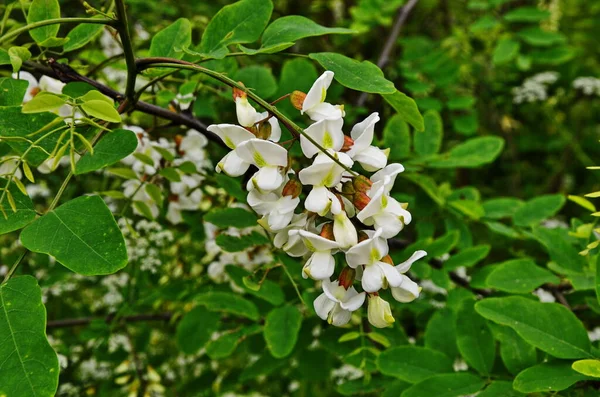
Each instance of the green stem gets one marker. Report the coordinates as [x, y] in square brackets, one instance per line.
[14, 266]
[175, 63]
[123, 28]
[289, 275]
[56, 21]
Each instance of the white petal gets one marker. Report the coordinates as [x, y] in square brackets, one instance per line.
[355, 302]
[323, 306]
[268, 178]
[344, 231]
[405, 266]
[320, 266]
[232, 135]
[339, 316]
[372, 279]
[232, 165]
[362, 133]
[316, 243]
[246, 114]
[325, 111]
[318, 200]
[326, 133]
[318, 91]
[262, 153]
[372, 158]
[391, 274]
[408, 291]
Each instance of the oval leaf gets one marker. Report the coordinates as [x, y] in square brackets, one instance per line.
[519, 276]
[281, 330]
[101, 110]
[413, 363]
[446, 385]
[295, 27]
[547, 377]
[114, 146]
[42, 10]
[171, 41]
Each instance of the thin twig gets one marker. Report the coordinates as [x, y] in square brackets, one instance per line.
[384, 57]
[76, 322]
[123, 29]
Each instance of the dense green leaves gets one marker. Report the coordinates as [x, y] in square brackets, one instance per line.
[429, 141]
[516, 354]
[440, 333]
[561, 252]
[231, 217]
[258, 78]
[235, 244]
[241, 22]
[396, 136]
[547, 377]
[506, 50]
[195, 329]
[294, 27]
[81, 234]
[446, 385]
[406, 109]
[281, 330]
[472, 153]
[114, 146]
[171, 41]
[42, 10]
[12, 91]
[519, 276]
[548, 326]
[360, 76]
[29, 364]
[229, 303]
[81, 35]
[413, 363]
[538, 209]
[43, 102]
[467, 257]
[18, 217]
[474, 339]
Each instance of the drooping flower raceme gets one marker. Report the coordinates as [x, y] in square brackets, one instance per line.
[321, 209]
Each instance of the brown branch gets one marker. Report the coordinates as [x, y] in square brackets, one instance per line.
[75, 322]
[66, 74]
[390, 42]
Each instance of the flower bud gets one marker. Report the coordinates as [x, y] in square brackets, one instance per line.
[347, 277]
[237, 93]
[292, 188]
[264, 131]
[362, 236]
[348, 188]
[297, 99]
[379, 312]
[327, 231]
[246, 114]
[360, 200]
[348, 143]
[362, 184]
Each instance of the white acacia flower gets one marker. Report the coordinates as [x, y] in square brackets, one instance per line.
[268, 157]
[314, 104]
[277, 210]
[322, 174]
[273, 122]
[192, 147]
[369, 253]
[343, 230]
[385, 213]
[337, 303]
[379, 179]
[246, 114]
[408, 290]
[321, 264]
[327, 133]
[370, 157]
[232, 135]
[379, 312]
[291, 242]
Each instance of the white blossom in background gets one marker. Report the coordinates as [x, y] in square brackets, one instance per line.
[534, 88]
[343, 213]
[587, 85]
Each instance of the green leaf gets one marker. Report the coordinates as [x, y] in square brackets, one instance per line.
[101, 110]
[96, 95]
[265, 50]
[536, 210]
[502, 207]
[170, 41]
[81, 234]
[29, 364]
[12, 91]
[171, 174]
[17, 56]
[82, 34]
[4, 57]
[467, 257]
[526, 14]
[259, 78]
[268, 290]
[396, 136]
[231, 217]
[440, 333]
[229, 341]
[281, 330]
[43, 102]
[466, 124]
[236, 244]
[470, 208]
[446, 385]
[461, 103]
[196, 328]
[229, 303]
[443, 244]
[474, 339]
[519, 276]
[42, 10]
[548, 326]
[547, 377]
[406, 108]
[24, 214]
[238, 23]
[506, 50]
[470, 154]
[500, 388]
[429, 141]
[515, 352]
[54, 42]
[561, 251]
[587, 367]
[294, 27]
[261, 367]
[538, 37]
[360, 76]
[232, 186]
[114, 146]
[428, 185]
[413, 363]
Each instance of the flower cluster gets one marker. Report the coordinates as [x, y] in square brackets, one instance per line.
[534, 88]
[587, 85]
[347, 217]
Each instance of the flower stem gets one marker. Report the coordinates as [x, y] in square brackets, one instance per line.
[16, 32]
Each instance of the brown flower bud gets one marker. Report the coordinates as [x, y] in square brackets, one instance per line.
[327, 231]
[178, 139]
[347, 277]
[348, 143]
[237, 93]
[388, 259]
[362, 236]
[360, 200]
[264, 131]
[362, 184]
[297, 99]
[348, 188]
[292, 188]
